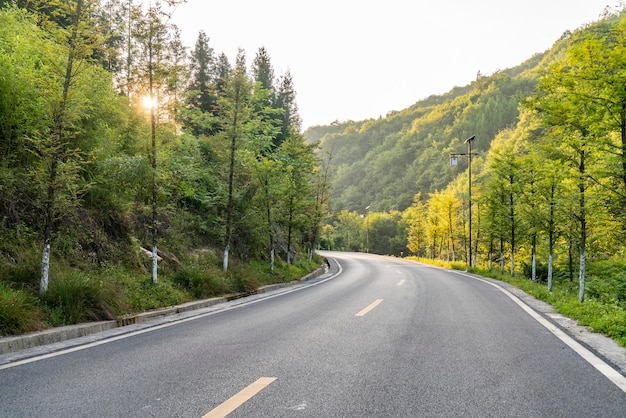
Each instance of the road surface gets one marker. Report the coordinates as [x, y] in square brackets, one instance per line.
[382, 338]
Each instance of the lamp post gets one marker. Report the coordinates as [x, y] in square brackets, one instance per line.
[468, 141]
[454, 162]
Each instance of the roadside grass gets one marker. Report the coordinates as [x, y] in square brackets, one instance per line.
[604, 308]
[108, 292]
[19, 311]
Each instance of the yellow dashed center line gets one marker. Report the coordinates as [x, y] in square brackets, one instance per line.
[401, 282]
[237, 400]
[369, 308]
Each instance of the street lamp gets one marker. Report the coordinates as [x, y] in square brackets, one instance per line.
[454, 161]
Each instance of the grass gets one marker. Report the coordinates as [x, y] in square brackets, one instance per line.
[19, 311]
[108, 292]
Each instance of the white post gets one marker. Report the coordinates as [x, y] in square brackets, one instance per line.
[45, 269]
[154, 264]
[225, 259]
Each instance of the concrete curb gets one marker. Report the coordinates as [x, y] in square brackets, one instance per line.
[59, 334]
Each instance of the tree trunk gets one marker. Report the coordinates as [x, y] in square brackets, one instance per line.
[501, 255]
[512, 215]
[59, 121]
[490, 254]
[533, 274]
[231, 181]
[583, 230]
[269, 222]
[153, 157]
[289, 228]
[551, 237]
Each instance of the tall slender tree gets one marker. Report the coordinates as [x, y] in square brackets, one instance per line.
[286, 100]
[203, 77]
[154, 37]
[235, 112]
[59, 152]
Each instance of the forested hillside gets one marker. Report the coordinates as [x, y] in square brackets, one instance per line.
[548, 185]
[384, 162]
[135, 173]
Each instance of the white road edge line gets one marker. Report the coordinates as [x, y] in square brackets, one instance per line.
[157, 327]
[609, 372]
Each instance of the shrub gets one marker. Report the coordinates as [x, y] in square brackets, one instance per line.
[608, 319]
[200, 282]
[606, 280]
[243, 278]
[74, 297]
[19, 312]
[541, 271]
[144, 295]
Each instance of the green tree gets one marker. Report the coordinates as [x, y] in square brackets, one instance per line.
[571, 115]
[202, 83]
[444, 207]
[348, 231]
[236, 112]
[62, 160]
[156, 64]
[298, 164]
[415, 218]
[263, 72]
[200, 114]
[502, 190]
[286, 101]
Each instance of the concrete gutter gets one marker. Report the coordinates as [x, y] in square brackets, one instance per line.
[59, 334]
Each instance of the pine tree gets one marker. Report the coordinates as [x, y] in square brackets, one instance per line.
[286, 101]
[235, 112]
[203, 78]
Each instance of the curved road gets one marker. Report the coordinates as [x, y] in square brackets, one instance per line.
[383, 338]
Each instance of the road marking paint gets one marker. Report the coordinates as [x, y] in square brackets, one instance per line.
[237, 400]
[609, 372]
[401, 282]
[369, 308]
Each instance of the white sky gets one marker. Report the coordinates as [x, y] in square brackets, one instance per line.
[360, 59]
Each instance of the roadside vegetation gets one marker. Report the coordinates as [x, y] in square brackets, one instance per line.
[136, 173]
[77, 296]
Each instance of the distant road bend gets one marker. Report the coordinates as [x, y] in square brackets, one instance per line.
[383, 337]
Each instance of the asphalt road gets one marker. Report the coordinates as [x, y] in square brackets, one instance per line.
[384, 338]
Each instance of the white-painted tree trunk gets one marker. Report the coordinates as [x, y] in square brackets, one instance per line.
[45, 269]
[533, 273]
[581, 280]
[512, 264]
[272, 259]
[550, 272]
[225, 261]
[155, 259]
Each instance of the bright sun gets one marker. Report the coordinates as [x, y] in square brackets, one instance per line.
[149, 102]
